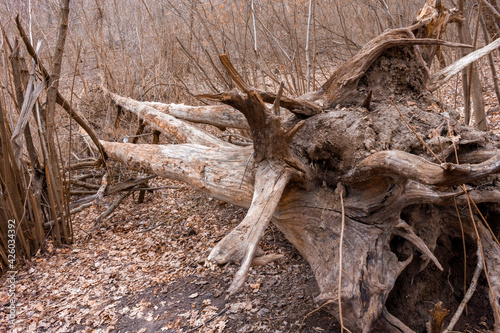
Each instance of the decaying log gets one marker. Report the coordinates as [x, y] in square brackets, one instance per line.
[399, 205]
[169, 125]
[217, 172]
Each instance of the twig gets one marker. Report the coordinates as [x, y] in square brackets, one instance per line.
[102, 189]
[154, 188]
[77, 192]
[82, 165]
[209, 320]
[463, 244]
[59, 98]
[342, 328]
[153, 227]
[83, 184]
[73, 211]
[480, 246]
[111, 208]
[470, 291]
[486, 223]
[308, 58]
[81, 207]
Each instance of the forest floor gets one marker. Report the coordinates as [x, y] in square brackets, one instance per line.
[142, 270]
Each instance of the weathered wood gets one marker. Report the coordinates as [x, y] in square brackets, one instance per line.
[270, 182]
[217, 115]
[218, 172]
[171, 126]
[441, 77]
[398, 201]
[403, 165]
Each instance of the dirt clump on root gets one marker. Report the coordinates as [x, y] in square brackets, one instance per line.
[395, 72]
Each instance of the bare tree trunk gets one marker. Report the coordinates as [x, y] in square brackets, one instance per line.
[470, 81]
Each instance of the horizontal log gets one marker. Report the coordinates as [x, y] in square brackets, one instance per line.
[218, 172]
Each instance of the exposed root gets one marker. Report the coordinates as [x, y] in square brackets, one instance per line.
[394, 321]
[242, 242]
[469, 293]
[266, 259]
[404, 230]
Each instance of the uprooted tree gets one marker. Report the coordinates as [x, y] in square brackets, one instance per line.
[371, 178]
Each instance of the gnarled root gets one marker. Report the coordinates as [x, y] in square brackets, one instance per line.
[242, 242]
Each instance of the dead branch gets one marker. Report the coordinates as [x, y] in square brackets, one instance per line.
[102, 188]
[167, 124]
[111, 208]
[59, 98]
[398, 164]
[84, 184]
[217, 115]
[441, 77]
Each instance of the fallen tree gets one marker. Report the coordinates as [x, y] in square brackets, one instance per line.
[371, 178]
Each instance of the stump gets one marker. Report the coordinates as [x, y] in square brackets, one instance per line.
[371, 178]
